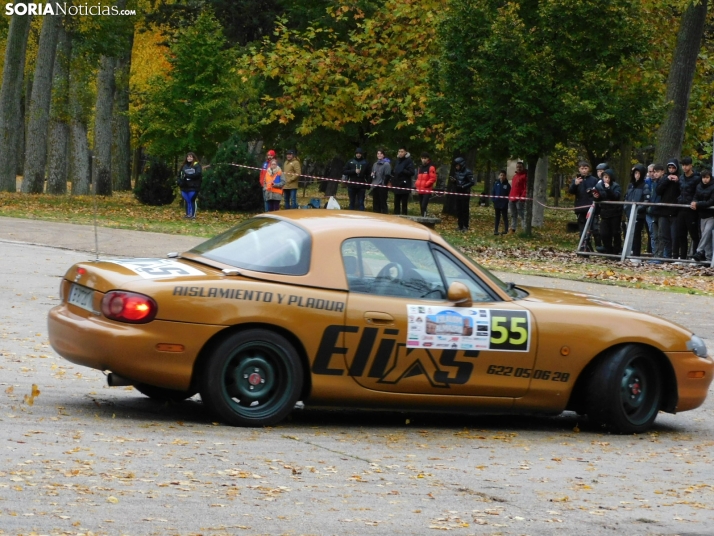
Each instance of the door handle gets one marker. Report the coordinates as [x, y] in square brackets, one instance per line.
[378, 318]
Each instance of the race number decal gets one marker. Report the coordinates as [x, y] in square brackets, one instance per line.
[510, 330]
[157, 268]
[468, 328]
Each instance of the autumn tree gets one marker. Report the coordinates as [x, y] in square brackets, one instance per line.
[10, 114]
[199, 102]
[359, 77]
[525, 75]
[679, 81]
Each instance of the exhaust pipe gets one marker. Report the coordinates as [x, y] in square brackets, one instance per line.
[114, 380]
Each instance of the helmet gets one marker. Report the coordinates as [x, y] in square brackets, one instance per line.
[601, 166]
[459, 161]
[271, 153]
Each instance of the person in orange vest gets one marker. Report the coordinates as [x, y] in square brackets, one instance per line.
[270, 155]
[273, 186]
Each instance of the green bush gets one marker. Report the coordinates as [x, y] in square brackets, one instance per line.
[156, 186]
[228, 187]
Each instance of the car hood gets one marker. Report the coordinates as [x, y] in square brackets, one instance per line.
[566, 297]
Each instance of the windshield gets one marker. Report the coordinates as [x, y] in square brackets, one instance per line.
[263, 245]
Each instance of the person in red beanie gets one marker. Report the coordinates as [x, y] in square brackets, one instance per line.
[270, 155]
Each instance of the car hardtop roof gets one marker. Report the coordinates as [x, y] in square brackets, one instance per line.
[354, 223]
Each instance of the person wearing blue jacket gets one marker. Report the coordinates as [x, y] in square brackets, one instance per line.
[500, 191]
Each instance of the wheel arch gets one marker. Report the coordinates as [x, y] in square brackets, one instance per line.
[669, 379]
[219, 337]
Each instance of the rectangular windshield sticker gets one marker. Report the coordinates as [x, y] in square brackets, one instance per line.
[469, 328]
[157, 268]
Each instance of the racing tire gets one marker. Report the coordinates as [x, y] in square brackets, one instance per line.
[252, 378]
[161, 394]
[625, 391]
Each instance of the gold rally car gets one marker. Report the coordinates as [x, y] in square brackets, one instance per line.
[358, 310]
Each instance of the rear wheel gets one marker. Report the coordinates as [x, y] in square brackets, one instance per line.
[253, 378]
[162, 394]
[625, 391]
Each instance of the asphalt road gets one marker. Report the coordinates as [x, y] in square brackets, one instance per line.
[77, 456]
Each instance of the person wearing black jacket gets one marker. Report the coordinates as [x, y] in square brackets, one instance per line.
[402, 174]
[581, 187]
[702, 204]
[357, 173]
[463, 180]
[687, 219]
[189, 182]
[637, 192]
[668, 190]
[607, 189]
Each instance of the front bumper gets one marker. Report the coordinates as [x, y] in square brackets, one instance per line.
[692, 391]
[129, 349]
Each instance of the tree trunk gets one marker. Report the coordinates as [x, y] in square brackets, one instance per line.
[79, 170]
[39, 116]
[121, 149]
[10, 95]
[486, 191]
[555, 188]
[679, 82]
[58, 146]
[532, 161]
[540, 192]
[102, 164]
[623, 165]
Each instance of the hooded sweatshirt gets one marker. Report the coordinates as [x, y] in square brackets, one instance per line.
[357, 170]
[613, 193]
[637, 191]
[403, 172]
[668, 191]
[704, 197]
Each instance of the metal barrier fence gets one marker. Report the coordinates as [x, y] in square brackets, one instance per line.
[629, 234]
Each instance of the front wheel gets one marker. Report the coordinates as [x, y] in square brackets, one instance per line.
[625, 391]
[252, 378]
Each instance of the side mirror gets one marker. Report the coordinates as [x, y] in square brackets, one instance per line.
[459, 294]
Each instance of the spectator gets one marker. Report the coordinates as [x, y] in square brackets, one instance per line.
[607, 189]
[357, 173]
[701, 203]
[292, 171]
[190, 183]
[637, 192]
[657, 245]
[381, 174]
[687, 219]
[581, 187]
[649, 221]
[463, 181]
[668, 191]
[516, 202]
[270, 155]
[402, 174]
[273, 186]
[500, 192]
[426, 179]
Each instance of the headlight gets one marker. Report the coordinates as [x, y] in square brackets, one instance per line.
[696, 345]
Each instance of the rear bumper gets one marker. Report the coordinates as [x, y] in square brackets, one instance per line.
[128, 349]
[692, 392]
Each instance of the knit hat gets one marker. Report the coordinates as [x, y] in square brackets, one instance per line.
[601, 166]
[290, 151]
[271, 153]
[359, 150]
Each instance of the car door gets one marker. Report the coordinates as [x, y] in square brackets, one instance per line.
[402, 335]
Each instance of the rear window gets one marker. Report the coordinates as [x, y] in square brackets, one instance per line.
[263, 245]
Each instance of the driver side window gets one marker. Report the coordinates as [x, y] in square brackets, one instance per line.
[392, 267]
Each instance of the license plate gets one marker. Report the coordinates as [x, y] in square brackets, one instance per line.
[82, 297]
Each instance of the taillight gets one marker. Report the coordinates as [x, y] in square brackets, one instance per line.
[129, 307]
